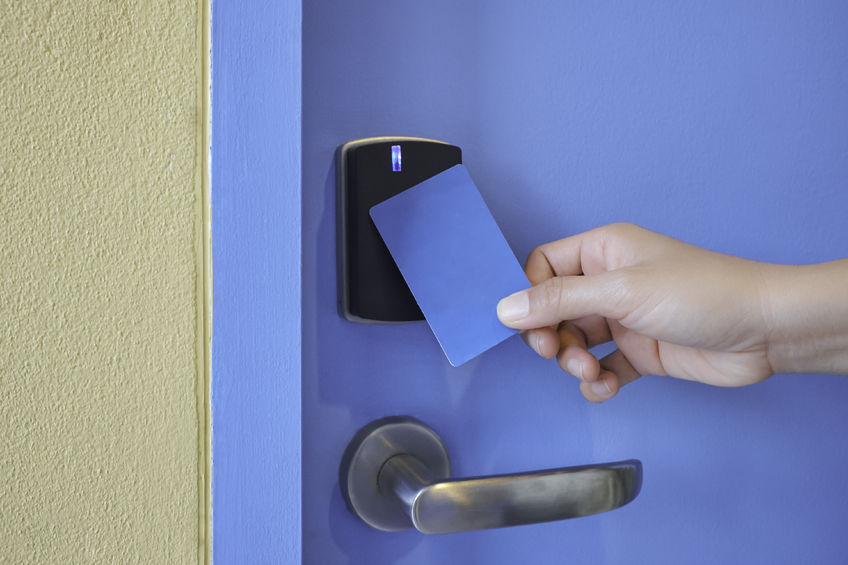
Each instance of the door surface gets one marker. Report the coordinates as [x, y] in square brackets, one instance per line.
[723, 124]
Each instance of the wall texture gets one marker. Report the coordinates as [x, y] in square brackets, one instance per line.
[103, 380]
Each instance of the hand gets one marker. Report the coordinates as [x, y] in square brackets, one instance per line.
[672, 309]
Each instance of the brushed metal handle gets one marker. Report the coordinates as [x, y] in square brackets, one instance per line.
[395, 474]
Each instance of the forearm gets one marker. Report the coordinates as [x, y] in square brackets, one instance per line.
[806, 308]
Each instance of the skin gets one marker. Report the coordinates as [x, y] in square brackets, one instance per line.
[674, 309]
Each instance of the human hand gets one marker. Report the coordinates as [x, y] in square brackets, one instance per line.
[672, 309]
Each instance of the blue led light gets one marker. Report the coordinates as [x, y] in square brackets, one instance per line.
[396, 158]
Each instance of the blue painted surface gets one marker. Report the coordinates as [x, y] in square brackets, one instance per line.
[256, 221]
[722, 123]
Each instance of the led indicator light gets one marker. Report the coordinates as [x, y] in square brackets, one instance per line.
[396, 158]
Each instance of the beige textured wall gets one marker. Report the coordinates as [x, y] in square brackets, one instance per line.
[103, 443]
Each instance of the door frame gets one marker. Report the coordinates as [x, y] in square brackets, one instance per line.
[256, 259]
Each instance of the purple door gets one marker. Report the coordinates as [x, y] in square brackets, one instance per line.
[722, 124]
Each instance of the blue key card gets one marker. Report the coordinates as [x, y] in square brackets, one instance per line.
[454, 258]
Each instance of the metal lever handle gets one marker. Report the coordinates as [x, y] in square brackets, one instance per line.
[395, 475]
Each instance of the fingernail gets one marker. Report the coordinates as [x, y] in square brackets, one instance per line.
[601, 388]
[514, 307]
[575, 367]
[534, 343]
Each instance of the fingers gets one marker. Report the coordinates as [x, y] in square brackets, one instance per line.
[604, 388]
[574, 357]
[564, 313]
[547, 342]
[618, 364]
[600, 380]
[595, 330]
[539, 268]
[575, 255]
[616, 371]
[543, 341]
[558, 299]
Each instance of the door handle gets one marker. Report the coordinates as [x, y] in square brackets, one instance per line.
[395, 475]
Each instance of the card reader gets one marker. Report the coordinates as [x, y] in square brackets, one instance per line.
[371, 289]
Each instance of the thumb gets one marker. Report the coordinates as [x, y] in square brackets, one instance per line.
[558, 299]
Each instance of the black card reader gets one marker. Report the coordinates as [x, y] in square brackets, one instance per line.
[369, 171]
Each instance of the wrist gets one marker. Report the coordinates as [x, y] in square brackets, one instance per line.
[806, 313]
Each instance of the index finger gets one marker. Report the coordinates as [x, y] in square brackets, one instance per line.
[569, 256]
